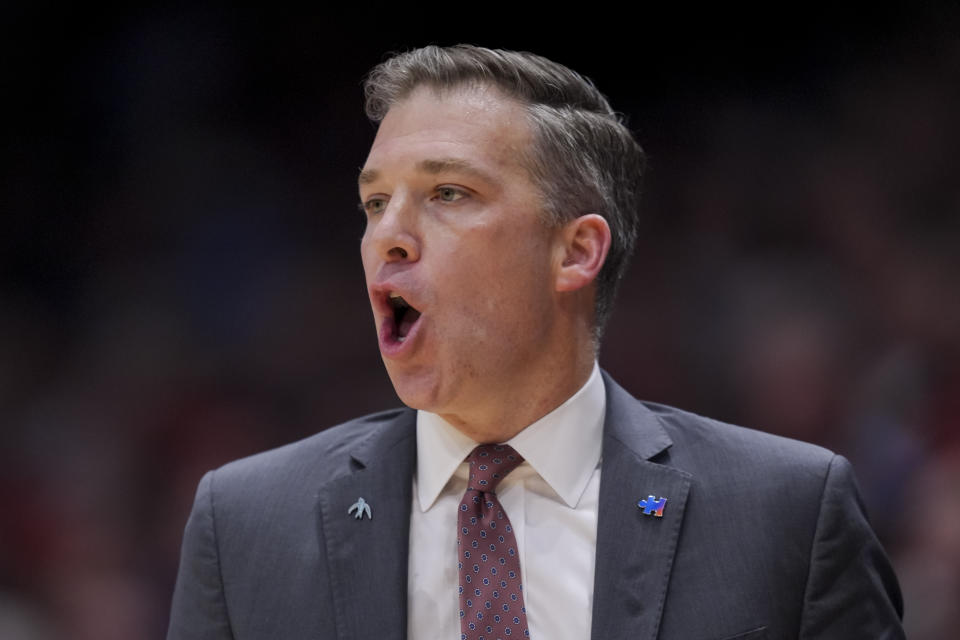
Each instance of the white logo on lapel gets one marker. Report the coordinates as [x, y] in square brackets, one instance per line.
[361, 507]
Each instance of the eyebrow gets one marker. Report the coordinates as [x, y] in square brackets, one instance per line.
[443, 165]
[367, 176]
[434, 167]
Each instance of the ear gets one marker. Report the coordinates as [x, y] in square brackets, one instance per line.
[585, 242]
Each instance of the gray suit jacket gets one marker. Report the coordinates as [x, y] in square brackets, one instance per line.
[761, 537]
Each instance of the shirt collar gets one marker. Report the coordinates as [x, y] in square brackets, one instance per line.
[563, 446]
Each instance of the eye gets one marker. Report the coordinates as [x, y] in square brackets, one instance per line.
[374, 206]
[450, 194]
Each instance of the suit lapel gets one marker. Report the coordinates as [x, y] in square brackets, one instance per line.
[367, 557]
[634, 551]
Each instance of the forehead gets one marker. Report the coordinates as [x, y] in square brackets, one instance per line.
[477, 125]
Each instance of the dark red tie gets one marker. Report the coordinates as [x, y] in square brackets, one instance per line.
[491, 593]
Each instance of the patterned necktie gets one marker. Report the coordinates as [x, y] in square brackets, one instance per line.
[491, 593]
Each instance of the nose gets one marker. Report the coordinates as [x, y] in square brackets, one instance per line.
[393, 234]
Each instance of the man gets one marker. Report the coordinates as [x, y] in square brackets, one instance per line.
[501, 195]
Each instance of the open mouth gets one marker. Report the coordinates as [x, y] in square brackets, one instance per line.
[404, 316]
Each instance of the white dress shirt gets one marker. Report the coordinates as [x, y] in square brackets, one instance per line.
[551, 500]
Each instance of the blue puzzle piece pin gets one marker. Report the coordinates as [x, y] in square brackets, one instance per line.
[652, 507]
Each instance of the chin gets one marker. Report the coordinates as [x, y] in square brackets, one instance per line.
[416, 390]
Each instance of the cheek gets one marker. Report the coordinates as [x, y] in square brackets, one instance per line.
[501, 305]
[498, 284]
[365, 257]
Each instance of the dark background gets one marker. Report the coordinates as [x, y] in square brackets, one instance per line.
[180, 282]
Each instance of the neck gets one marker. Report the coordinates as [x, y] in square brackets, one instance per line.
[516, 409]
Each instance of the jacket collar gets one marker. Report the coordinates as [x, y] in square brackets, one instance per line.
[367, 555]
[635, 550]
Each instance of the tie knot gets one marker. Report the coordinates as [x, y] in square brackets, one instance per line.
[489, 464]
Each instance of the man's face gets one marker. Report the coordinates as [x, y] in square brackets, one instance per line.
[455, 231]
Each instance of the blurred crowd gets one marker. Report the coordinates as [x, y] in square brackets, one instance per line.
[181, 286]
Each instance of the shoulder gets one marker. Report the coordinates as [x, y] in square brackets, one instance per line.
[700, 445]
[698, 439]
[774, 484]
[721, 459]
[730, 464]
[302, 467]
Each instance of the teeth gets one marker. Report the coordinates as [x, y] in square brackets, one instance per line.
[397, 300]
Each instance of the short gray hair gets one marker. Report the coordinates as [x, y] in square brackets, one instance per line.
[584, 158]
